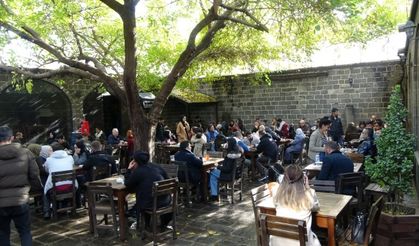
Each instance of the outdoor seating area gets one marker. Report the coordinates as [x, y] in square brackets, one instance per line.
[265, 123]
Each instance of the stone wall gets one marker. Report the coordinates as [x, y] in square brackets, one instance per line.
[358, 90]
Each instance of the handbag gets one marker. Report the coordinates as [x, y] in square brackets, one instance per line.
[358, 227]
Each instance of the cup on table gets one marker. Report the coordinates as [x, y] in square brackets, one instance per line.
[206, 157]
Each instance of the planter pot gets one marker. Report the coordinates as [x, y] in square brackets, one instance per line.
[398, 229]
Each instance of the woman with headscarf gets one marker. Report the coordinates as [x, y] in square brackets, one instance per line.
[296, 146]
[46, 151]
[295, 199]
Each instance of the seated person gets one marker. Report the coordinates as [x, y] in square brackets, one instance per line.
[114, 138]
[225, 170]
[80, 153]
[193, 163]
[366, 145]
[295, 199]
[268, 150]
[57, 162]
[334, 163]
[296, 146]
[97, 158]
[198, 141]
[140, 177]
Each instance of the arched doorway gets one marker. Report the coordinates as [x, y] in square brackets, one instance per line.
[34, 113]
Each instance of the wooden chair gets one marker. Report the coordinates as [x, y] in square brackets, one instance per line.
[162, 154]
[372, 221]
[257, 195]
[162, 188]
[323, 185]
[235, 185]
[101, 172]
[282, 227]
[170, 169]
[101, 202]
[185, 187]
[215, 154]
[63, 196]
[353, 182]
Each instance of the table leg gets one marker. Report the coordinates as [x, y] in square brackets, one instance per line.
[253, 166]
[204, 184]
[331, 231]
[89, 210]
[122, 218]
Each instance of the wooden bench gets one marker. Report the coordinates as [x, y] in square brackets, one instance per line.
[374, 190]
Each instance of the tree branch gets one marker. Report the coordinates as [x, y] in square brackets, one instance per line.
[257, 26]
[117, 7]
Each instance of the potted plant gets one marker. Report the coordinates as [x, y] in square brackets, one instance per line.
[392, 169]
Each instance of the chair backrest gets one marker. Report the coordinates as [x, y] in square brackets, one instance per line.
[215, 154]
[165, 187]
[257, 195]
[353, 182]
[68, 175]
[282, 227]
[372, 221]
[182, 171]
[323, 185]
[238, 172]
[170, 169]
[101, 171]
[162, 154]
[96, 189]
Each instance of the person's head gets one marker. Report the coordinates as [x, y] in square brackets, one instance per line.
[324, 125]
[198, 135]
[80, 145]
[141, 157]
[6, 135]
[56, 146]
[292, 191]
[261, 130]
[183, 119]
[369, 124]
[378, 125]
[302, 123]
[232, 145]
[362, 125]
[299, 132]
[256, 124]
[211, 127]
[96, 146]
[373, 117]
[185, 145]
[219, 127]
[46, 151]
[274, 121]
[335, 112]
[19, 135]
[35, 149]
[330, 146]
[115, 132]
[130, 134]
[367, 133]
[60, 138]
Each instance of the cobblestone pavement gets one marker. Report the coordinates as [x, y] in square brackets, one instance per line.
[201, 224]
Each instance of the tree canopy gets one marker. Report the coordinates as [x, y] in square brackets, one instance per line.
[159, 44]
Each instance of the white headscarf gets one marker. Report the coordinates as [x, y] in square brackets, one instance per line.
[299, 133]
[46, 151]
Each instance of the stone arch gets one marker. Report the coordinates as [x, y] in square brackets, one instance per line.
[46, 107]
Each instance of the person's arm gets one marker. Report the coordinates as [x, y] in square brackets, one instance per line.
[195, 161]
[33, 173]
[316, 203]
[131, 179]
[243, 146]
[325, 171]
[312, 145]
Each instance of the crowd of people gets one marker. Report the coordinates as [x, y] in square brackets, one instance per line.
[272, 141]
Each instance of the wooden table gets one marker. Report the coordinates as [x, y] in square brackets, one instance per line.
[119, 191]
[313, 169]
[207, 166]
[331, 206]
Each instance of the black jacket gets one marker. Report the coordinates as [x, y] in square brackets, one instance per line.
[194, 165]
[228, 167]
[98, 158]
[268, 148]
[141, 181]
[336, 128]
[335, 164]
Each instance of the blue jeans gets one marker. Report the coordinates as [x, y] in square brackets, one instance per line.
[21, 218]
[214, 175]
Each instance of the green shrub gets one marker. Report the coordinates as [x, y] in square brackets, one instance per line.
[395, 151]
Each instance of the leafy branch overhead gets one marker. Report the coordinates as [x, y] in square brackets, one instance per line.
[132, 45]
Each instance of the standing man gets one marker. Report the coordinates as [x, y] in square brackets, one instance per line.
[18, 173]
[336, 128]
